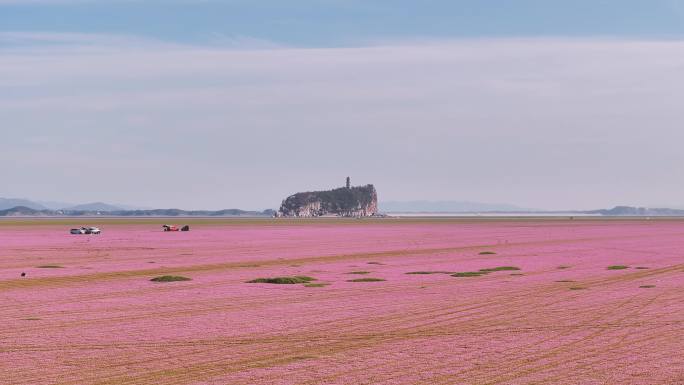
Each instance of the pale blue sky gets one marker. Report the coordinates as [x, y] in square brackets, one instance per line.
[345, 22]
[221, 104]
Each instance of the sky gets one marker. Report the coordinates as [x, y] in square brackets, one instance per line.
[211, 104]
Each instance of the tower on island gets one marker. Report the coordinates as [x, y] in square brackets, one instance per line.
[348, 182]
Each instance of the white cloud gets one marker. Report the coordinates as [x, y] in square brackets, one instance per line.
[537, 122]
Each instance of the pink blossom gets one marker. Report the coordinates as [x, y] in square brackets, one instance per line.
[99, 319]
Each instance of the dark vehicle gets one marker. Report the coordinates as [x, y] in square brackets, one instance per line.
[175, 228]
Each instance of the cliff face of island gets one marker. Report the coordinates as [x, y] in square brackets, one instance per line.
[357, 201]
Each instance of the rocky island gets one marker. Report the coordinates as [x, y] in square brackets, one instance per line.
[349, 201]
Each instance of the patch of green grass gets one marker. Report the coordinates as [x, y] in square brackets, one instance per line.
[284, 280]
[563, 267]
[366, 280]
[50, 267]
[316, 284]
[469, 274]
[429, 272]
[170, 278]
[617, 267]
[516, 274]
[500, 268]
[647, 286]
[487, 253]
[565, 281]
[375, 263]
[359, 272]
[577, 288]
[641, 268]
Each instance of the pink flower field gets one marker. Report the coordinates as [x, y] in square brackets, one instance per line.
[587, 301]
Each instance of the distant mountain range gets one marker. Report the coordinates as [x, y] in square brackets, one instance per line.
[465, 207]
[8, 203]
[19, 211]
[27, 211]
[95, 206]
[447, 207]
[638, 211]
[25, 207]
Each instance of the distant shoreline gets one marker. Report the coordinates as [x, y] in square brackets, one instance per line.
[492, 214]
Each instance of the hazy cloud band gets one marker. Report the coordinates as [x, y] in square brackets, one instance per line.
[549, 123]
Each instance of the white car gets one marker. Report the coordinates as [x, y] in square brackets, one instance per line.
[86, 230]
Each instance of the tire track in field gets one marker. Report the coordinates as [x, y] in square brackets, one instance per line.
[419, 335]
[521, 313]
[611, 365]
[649, 326]
[593, 311]
[289, 262]
[403, 335]
[653, 272]
[61, 281]
[520, 368]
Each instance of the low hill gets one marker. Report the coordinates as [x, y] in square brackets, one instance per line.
[20, 211]
[638, 211]
[95, 206]
[8, 203]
